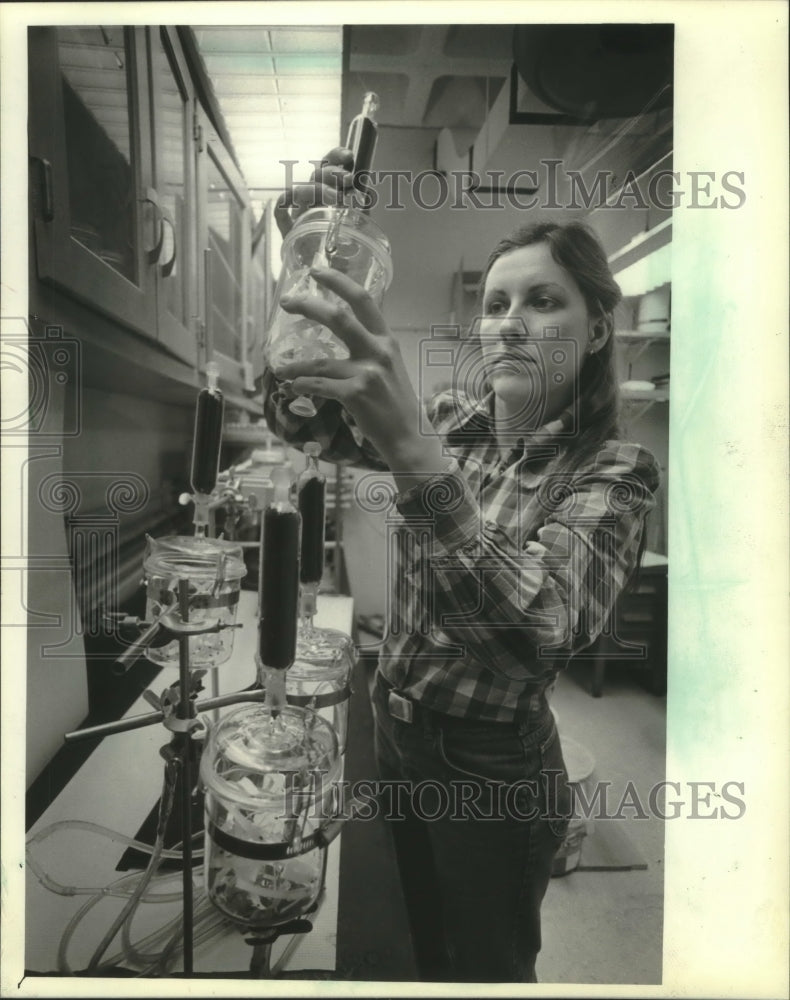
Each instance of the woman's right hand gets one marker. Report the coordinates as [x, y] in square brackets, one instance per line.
[328, 185]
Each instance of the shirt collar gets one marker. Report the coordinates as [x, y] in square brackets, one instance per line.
[481, 413]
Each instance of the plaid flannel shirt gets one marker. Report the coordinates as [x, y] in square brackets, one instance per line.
[500, 571]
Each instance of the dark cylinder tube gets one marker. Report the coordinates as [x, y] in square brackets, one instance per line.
[312, 495]
[279, 588]
[207, 440]
[364, 136]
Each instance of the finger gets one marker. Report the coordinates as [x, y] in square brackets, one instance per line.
[326, 388]
[324, 367]
[337, 318]
[333, 176]
[360, 301]
[301, 198]
[305, 196]
[340, 156]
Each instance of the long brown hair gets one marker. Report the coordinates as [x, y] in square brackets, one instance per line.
[576, 248]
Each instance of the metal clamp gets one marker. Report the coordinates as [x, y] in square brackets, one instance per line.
[197, 727]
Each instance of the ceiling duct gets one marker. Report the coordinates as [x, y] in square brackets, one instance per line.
[596, 71]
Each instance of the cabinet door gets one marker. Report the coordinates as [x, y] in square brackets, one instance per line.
[96, 229]
[226, 245]
[260, 290]
[172, 103]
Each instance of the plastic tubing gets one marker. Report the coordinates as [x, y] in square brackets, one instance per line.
[63, 964]
[208, 921]
[206, 913]
[78, 824]
[165, 808]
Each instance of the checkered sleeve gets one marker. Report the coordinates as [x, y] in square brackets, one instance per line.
[340, 439]
[520, 597]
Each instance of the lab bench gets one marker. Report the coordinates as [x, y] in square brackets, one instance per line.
[359, 929]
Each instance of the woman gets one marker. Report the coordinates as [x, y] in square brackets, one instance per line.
[520, 520]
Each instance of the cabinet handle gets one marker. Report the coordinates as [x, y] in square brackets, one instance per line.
[167, 267]
[152, 198]
[47, 190]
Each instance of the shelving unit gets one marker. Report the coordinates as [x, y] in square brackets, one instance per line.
[635, 227]
[657, 395]
[637, 261]
[647, 397]
[642, 251]
[642, 336]
[643, 339]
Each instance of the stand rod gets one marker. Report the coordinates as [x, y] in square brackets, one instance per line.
[186, 775]
[151, 718]
[260, 964]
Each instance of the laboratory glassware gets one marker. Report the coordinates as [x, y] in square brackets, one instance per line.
[337, 237]
[269, 779]
[342, 238]
[214, 569]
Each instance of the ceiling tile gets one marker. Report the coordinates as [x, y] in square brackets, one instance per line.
[237, 39]
[279, 91]
[308, 63]
[239, 64]
[307, 40]
[326, 86]
[242, 86]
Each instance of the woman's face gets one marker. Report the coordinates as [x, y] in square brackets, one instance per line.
[534, 333]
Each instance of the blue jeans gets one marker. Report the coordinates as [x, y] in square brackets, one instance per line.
[477, 813]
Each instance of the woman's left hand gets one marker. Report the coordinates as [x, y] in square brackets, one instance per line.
[372, 384]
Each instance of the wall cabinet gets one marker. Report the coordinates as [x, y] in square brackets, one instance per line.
[139, 211]
[140, 272]
[225, 242]
[173, 109]
[94, 222]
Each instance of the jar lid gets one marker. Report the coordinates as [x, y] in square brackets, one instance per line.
[251, 752]
[327, 653]
[194, 556]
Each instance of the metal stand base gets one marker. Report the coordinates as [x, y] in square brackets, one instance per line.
[262, 942]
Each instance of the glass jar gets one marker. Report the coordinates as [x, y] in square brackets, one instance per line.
[320, 679]
[341, 238]
[270, 783]
[214, 569]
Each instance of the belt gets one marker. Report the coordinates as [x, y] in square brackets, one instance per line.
[407, 710]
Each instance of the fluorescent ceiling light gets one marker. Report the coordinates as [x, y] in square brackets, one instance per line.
[279, 92]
